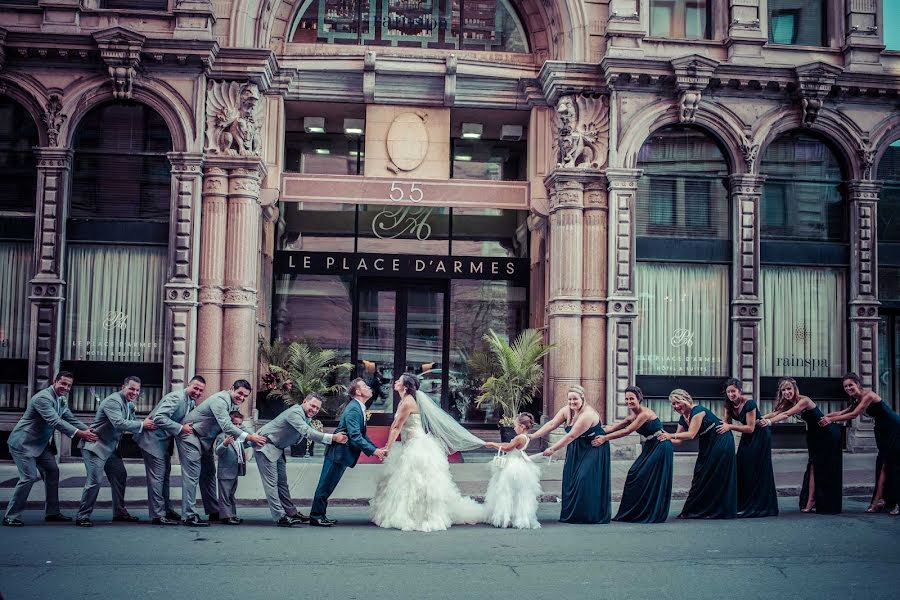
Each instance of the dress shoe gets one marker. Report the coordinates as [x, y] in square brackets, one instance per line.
[126, 518]
[213, 516]
[320, 522]
[299, 519]
[57, 518]
[194, 521]
[231, 521]
[284, 521]
[332, 521]
[174, 516]
[83, 523]
[164, 521]
[13, 523]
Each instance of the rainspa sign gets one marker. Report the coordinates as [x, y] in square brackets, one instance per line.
[401, 265]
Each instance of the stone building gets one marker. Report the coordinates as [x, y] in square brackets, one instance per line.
[675, 191]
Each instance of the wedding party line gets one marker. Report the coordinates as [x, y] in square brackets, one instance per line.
[415, 491]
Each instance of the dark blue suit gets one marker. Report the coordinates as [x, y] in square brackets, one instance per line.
[340, 456]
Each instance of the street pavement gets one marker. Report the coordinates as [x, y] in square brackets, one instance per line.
[795, 555]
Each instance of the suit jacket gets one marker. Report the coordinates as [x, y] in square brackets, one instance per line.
[44, 413]
[229, 467]
[288, 429]
[167, 415]
[353, 422]
[211, 418]
[115, 416]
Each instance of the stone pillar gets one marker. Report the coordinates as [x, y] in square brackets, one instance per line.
[621, 306]
[537, 226]
[566, 275]
[47, 289]
[864, 35]
[594, 291]
[863, 303]
[746, 307]
[242, 248]
[212, 277]
[182, 285]
[746, 35]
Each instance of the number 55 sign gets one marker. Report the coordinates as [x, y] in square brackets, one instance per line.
[406, 192]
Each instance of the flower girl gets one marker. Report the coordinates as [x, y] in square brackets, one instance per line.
[515, 486]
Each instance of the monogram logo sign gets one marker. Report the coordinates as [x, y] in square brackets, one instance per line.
[115, 320]
[682, 337]
[394, 222]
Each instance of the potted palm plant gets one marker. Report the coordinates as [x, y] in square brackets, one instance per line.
[516, 374]
[298, 369]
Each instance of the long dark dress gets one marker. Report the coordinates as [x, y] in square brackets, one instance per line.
[887, 438]
[756, 495]
[713, 492]
[585, 484]
[648, 487]
[824, 446]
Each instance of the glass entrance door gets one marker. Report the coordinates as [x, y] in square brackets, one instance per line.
[401, 329]
[889, 358]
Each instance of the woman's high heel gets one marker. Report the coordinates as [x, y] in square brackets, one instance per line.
[876, 507]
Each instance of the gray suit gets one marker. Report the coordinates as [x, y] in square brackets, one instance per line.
[115, 416]
[232, 464]
[154, 445]
[196, 451]
[283, 431]
[29, 445]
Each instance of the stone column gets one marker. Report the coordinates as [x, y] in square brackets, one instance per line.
[47, 289]
[594, 291]
[212, 277]
[242, 247]
[622, 303]
[566, 275]
[182, 285]
[863, 303]
[746, 307]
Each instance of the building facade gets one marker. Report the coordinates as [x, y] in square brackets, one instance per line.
[675, 192]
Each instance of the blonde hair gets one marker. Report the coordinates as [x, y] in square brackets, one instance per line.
[782, 404]
[578, 390]
[682, 396]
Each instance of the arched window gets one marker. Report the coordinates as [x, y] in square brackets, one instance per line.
[888, 384]
[486, 24]
[18, 137]
[804, 258]
[683, 257]
[117, 252]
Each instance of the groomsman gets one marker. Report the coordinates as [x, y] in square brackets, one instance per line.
[29, 444]
[195, 449]
[115, 416]
[282, 432]
[154, 445]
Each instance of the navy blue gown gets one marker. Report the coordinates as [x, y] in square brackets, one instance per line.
[756, 495]
[713, 492]
[887, 439]
[648, 487]
[586, 496]
[824, 446]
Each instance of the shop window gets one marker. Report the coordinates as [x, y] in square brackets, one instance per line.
[802, 197]
[318, 227]
[800, 22]
[489, 232]
[324, 153]
[18, 137]
[494, 160]
[679, 19]
[450, 24]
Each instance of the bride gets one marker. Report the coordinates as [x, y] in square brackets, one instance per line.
[416, 492]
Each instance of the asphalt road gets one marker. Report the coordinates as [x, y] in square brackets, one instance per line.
[792, 556]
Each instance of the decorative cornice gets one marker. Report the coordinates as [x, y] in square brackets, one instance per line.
[257, 65]
[120, 49]
[692, 76]
[558, 78]
[815, 82]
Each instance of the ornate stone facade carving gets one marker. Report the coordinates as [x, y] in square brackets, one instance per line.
[815, 81]
[53, 118]
[692, 75]
[582, 131]
[232, 119]
[120, 49]
[750, 152]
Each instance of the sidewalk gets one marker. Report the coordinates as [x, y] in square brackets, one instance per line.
[358, 484]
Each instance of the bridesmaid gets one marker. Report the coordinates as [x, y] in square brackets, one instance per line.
[713, 492]
[756, 495]
[586, 475]
[648, 487]
[887, 438]
[823, 480]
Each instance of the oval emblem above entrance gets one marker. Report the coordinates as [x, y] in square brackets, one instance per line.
[407, 141]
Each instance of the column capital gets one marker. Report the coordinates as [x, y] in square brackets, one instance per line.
[50, 158]
[186, 162]
[623, 179]
[864, 310]
[47, 289]
[584, 177]
[180, 292]
[863, 189]
[231, 163]
[746, 184]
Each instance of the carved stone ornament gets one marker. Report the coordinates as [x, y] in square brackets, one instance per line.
[867, 156]
[53, 118]
[692, 75]
[750, 151]
[582, 131]
[815, 83]
[120, 49]
[232, 119]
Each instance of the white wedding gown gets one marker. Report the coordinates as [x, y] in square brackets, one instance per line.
[513, 492]
[416, 491]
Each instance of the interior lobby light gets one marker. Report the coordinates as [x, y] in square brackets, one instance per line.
[472, 131]
[314, 124]
[323, 151]
[354, 126]
[462, 157]
[511, 133]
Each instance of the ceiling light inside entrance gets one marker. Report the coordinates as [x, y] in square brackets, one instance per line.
[354, 126]
[472, 131]
[314, 124]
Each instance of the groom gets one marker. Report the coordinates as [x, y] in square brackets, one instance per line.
[340, 456]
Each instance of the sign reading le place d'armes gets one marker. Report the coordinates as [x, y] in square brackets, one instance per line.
[401, 265]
